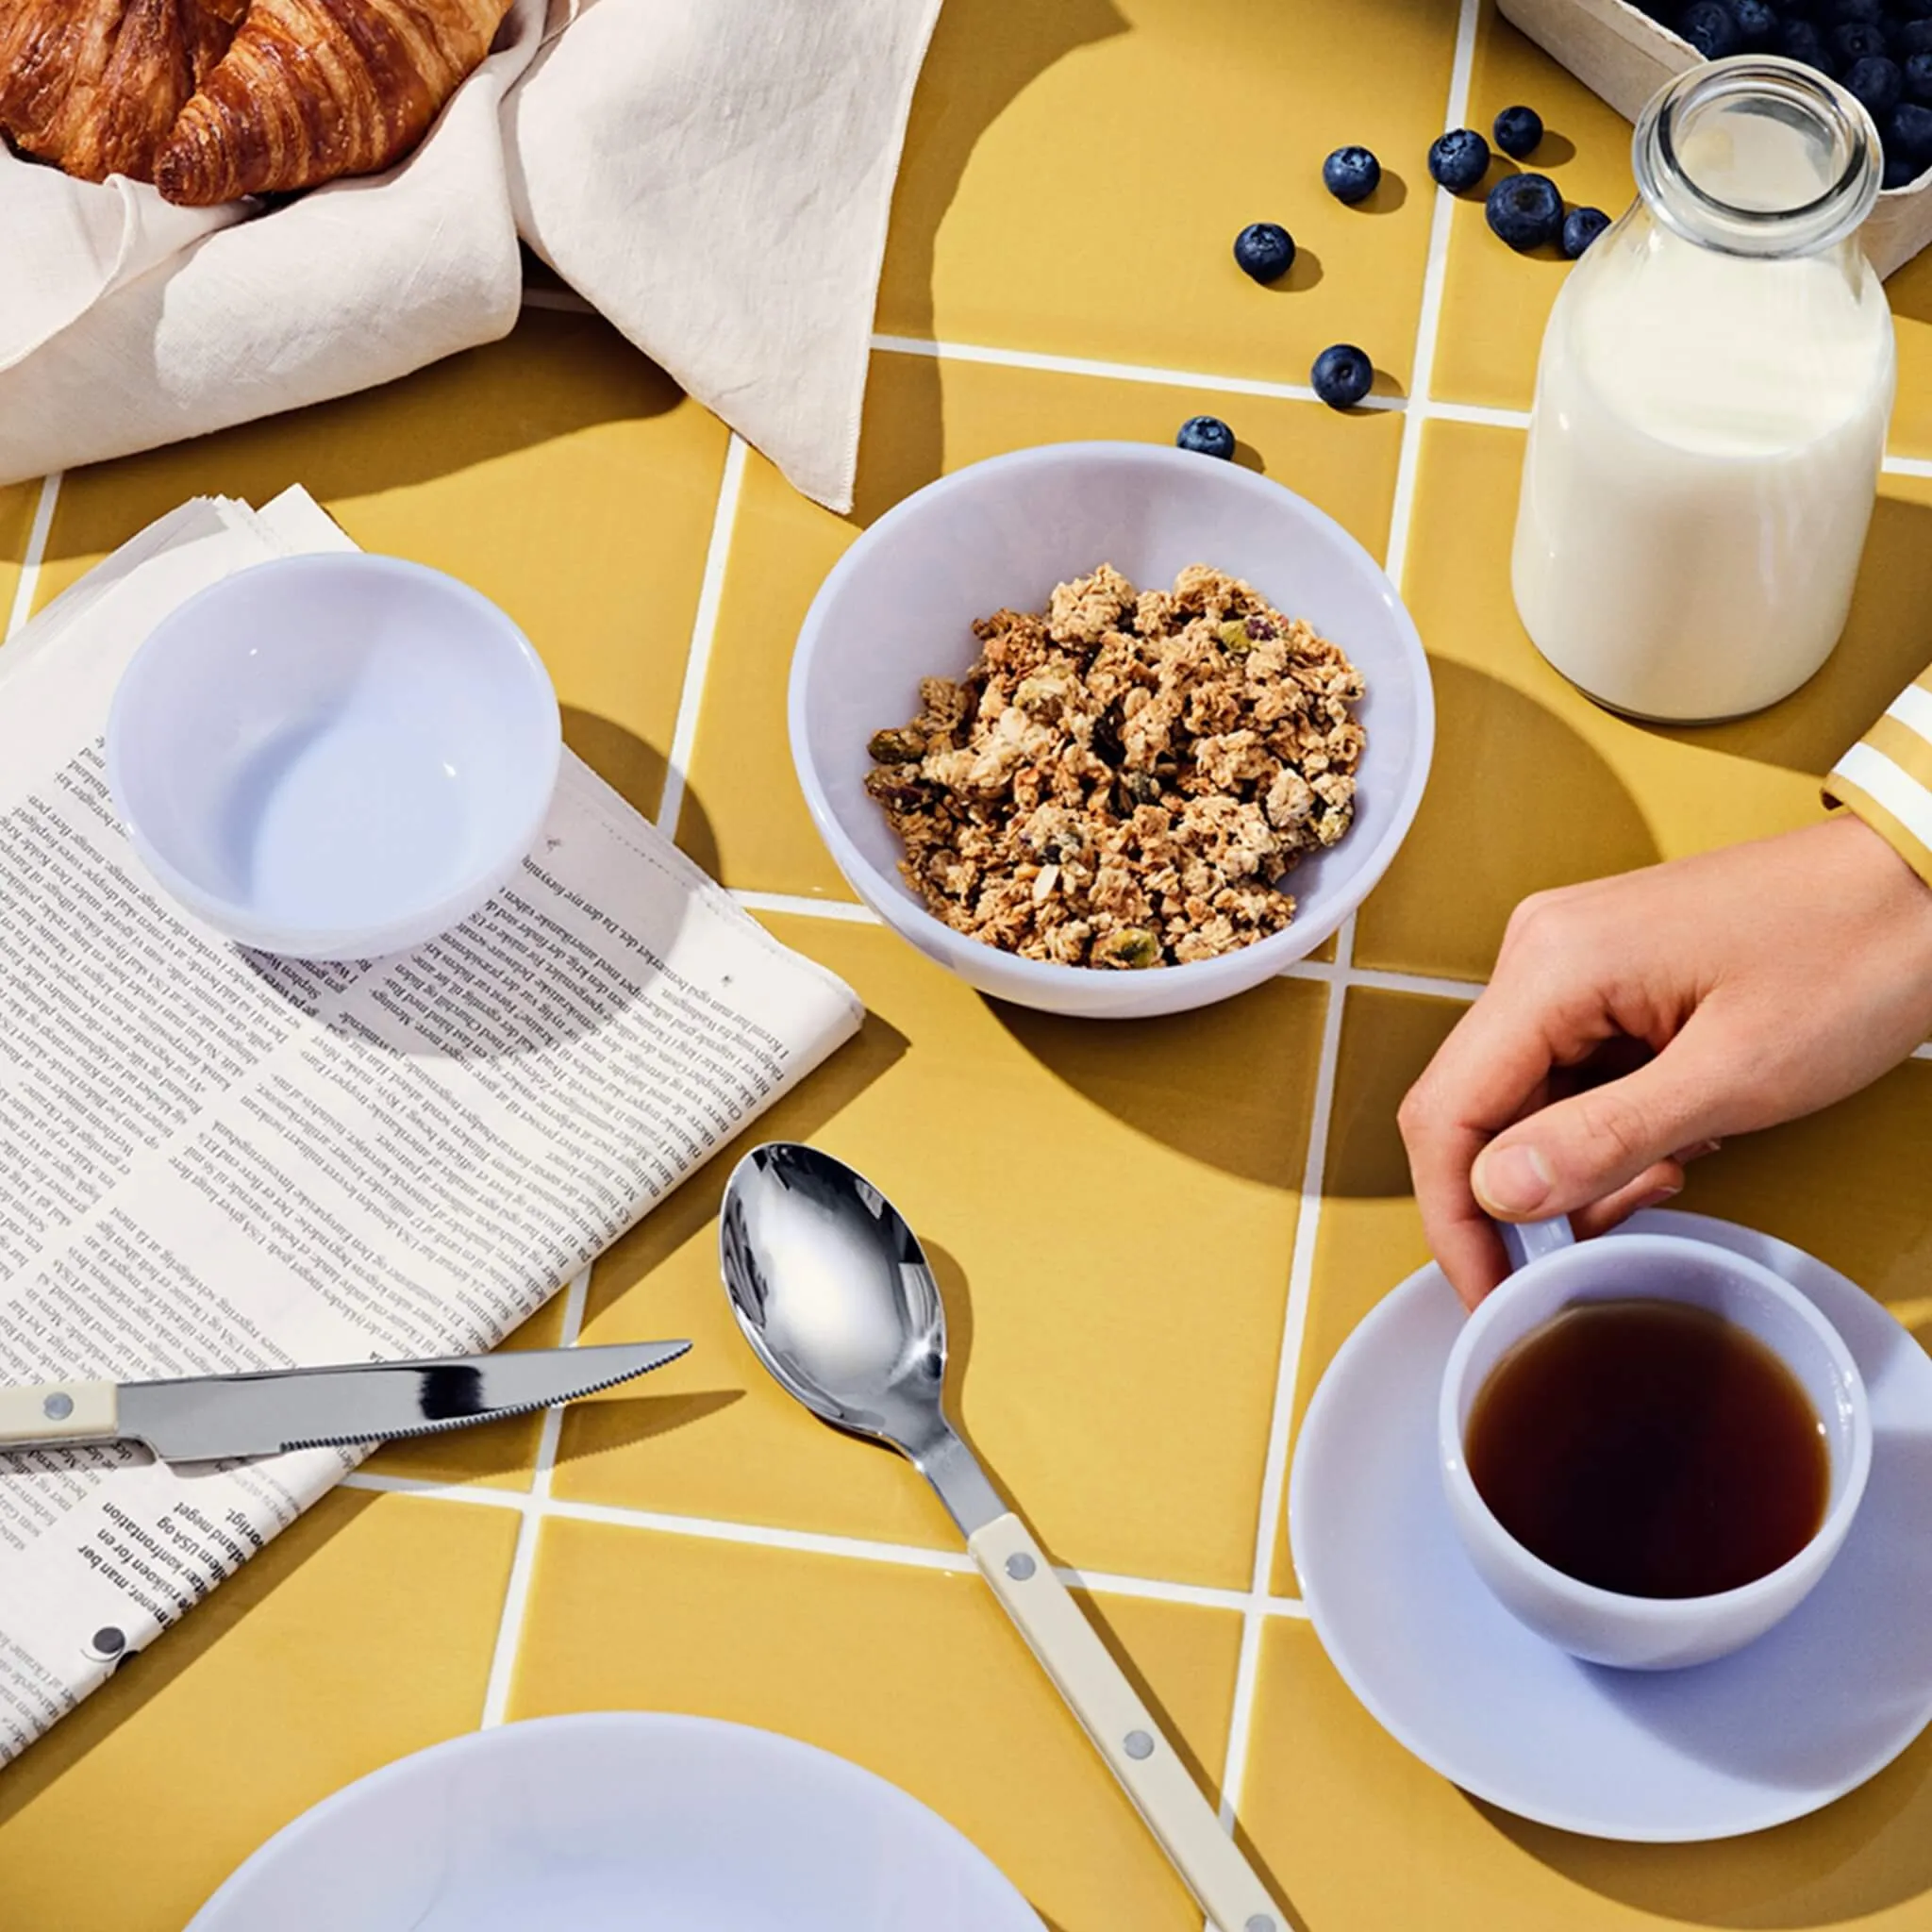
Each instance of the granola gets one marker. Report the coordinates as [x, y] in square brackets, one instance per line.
[1121, 780]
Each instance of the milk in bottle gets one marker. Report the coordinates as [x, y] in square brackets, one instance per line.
[1711, 404]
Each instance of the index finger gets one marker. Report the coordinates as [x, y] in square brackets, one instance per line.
[1493, 1069]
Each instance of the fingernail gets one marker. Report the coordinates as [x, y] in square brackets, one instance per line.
[1511, 1180]
[1657, 1197]
[1696, 1151]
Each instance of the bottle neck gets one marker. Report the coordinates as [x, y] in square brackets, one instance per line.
[1757, 156]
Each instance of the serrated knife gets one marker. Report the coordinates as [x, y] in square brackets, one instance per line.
[209, 1418]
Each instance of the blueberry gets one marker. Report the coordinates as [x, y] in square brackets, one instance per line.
[1206, 436]
[1899, 173]
[1581, 226]
[1757, 23]
[1915, 36]
[1909, 135]
[1264, 250]
[1350, 174]
[1526, 210]
[1799, 40]
[1878, 82]
[1518, 130]
[1917, 73]
[1708, 26]
[1858, 42]
[1342, 375]
[1458, 160]
[1858, 13]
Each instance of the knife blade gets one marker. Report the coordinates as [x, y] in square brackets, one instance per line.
[211, 1418]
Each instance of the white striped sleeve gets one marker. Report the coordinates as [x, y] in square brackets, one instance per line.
[1886, 777]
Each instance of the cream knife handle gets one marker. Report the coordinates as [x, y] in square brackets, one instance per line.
[57, 1413]
[1136, 1750]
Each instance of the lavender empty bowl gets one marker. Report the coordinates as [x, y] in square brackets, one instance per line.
[333, 756]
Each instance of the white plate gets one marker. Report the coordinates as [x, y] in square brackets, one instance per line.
[637, 1821]
[1804, 1715]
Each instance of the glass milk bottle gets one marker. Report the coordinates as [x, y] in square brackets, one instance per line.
[1711, 405]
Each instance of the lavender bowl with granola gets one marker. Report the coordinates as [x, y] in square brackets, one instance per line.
[1111, 729]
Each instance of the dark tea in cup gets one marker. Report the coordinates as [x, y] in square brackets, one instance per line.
[1649, 1447]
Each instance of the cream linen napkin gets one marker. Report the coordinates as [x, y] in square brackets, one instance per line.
[714, 175]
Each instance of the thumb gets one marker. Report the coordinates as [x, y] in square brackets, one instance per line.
[1581, 1150]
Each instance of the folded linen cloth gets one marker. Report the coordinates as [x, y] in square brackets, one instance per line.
[715, 176]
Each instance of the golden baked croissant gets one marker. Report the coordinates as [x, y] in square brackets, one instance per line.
[310, 90]
[95, 86]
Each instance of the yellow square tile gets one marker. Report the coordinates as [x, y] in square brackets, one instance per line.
[1111, 1210]
[1494, 301]
[744, 819]
[1367, 1838]
[557, 471]
[363, 1632]
[1370, 1235]
[1535, 785]
[501, 1456]
[916, 1675]
[17, 504]
[1847, 1185]
[1074, 177]
[1909, 290]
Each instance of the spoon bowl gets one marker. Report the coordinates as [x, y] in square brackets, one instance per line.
[837, 1298]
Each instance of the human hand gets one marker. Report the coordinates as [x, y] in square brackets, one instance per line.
[1765, 981]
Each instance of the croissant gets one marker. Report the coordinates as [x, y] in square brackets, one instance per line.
[310, 90]
[95, 86]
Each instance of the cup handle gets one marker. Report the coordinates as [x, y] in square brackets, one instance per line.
[1529, 1241]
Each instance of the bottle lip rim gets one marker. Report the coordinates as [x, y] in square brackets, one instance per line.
[1836, 211]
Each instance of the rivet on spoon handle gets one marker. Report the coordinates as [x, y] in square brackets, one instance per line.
[1122, 1730]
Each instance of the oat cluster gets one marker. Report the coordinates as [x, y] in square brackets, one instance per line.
[1123, 779]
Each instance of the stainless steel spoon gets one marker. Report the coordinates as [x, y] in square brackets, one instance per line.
[834, 1293]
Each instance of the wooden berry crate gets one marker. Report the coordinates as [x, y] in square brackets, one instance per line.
[1625, 57]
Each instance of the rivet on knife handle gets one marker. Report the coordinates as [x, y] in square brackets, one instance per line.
[59, 1412]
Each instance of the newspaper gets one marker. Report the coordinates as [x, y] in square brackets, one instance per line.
[212, 1160]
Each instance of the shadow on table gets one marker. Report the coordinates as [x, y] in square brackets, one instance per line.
[632, 768]
[617, 1422]
[984, 55]
[145, 1674]
[1862, 1856]
[1519, 803]
[421, 427]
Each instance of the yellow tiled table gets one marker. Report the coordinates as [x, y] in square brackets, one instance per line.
[1152, 1237]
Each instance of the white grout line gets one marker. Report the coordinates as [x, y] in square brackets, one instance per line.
[704, 629]
[1326, 972]
[1302, 1263]
[516, 1597]
[36, 550]
[1113, 372]
[534, 1508]
[1288, 1371]
[1331, 974]
[1428, 325]
[1908, 466]
[1474, 412]
[802, 907]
